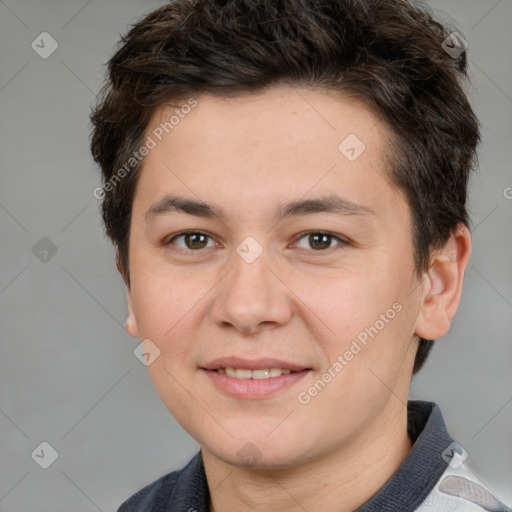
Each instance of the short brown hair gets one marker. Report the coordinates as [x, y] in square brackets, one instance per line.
[388, 52]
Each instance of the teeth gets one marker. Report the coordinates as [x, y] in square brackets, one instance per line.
[242, 373]
[260, 374]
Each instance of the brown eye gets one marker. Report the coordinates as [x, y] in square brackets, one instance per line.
[191, 240]
[195, 240]
[319, 241]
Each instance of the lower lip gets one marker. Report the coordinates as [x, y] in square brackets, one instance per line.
[253, 388]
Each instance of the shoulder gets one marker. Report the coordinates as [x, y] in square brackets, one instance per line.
[172, 491]
[459, 488]
[144, 499]
[185, 489]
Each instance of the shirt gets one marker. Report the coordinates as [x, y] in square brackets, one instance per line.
[434, 477]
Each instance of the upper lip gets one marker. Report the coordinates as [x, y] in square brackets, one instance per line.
[252, 364]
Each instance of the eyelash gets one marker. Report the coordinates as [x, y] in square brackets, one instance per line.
[341, 241]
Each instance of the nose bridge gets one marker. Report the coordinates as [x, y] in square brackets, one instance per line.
[251, 294]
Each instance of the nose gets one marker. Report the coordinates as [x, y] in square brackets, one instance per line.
[252, 297]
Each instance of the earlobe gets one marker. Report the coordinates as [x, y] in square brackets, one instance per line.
[131, 322]
[442, 286]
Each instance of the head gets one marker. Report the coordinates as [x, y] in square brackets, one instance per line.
[251, 107]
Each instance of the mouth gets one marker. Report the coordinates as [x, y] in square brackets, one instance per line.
[263, 368]
[260, 378]
[259, 374]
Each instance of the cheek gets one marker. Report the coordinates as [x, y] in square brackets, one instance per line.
[171, 309]
[348, 303]
[160, 303]
[368, 322]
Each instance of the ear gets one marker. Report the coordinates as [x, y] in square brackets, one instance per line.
[442, 285]
[131, 321]
[119, 267]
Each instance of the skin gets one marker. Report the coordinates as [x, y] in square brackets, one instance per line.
[249, 155]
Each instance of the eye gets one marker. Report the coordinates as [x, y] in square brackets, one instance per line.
[318, 241]
[191, 241]
[196, 240]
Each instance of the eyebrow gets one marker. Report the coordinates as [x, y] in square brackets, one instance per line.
[327, 204]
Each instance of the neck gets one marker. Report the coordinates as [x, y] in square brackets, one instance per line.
[341, 480]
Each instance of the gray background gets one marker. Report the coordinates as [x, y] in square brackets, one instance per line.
[67, 369]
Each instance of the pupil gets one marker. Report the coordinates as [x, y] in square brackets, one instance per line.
[324, 240]
[195, 239]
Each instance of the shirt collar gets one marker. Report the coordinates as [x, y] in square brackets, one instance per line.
[422, 468]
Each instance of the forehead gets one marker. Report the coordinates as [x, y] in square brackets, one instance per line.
[305, 114]
[275, 146]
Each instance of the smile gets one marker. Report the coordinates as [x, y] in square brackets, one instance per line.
[244, 373]
[244, 383]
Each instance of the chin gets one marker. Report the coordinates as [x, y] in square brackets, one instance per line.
[257, 452]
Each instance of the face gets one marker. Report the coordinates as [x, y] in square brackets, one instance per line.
[261, 237]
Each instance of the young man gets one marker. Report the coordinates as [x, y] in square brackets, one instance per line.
[285, 186]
